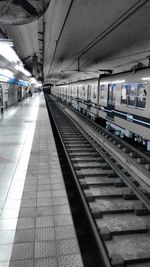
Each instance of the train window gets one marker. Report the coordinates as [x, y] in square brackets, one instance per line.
[124, 96]
[111, 93]
[132, 101]
[89, 92]
[102, 90]
[84, 92]
[134, 95]
[132, 91]
[94, 92]
[141, 95]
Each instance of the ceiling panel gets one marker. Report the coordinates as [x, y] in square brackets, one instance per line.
[69, 27]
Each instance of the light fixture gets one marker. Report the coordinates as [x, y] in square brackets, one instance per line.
[113, 82]
[7, 73]
[7, 52]
[39, 84]
[33, 80]
[146, 78]
[21, 68]
[3, 78]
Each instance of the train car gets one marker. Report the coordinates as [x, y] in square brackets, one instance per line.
[124, 101]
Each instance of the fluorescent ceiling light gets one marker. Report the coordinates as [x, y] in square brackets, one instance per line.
[6, 41]
[7, 52]
[21, 68]
[33, 80]
[118, 81]
[113, 82]
[146, 78]
[4, 79]
[39, 84]
[7, 73]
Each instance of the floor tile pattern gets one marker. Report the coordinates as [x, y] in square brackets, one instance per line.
[17, 125]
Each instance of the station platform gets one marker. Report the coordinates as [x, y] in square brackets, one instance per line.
[36, 226]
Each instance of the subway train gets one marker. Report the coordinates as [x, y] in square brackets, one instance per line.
[121, 100]
[13, 89]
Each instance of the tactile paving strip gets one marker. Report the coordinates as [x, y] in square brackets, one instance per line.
[70, 261]
[63, 219]
[45, 249]
[64, 232]
[67, 247]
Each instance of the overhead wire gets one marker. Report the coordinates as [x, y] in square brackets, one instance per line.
[57, 42]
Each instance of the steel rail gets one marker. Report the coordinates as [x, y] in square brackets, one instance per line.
[99, 127]
[140, 195]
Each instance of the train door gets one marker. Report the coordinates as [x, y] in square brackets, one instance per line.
[89, 93]
[1, 99]
[111, 100]
[19, 93]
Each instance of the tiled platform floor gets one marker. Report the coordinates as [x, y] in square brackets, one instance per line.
[44, 234]
[17, 126]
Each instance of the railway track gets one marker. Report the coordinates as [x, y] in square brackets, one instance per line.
[118, 206]
[140, 155]
[136, 160]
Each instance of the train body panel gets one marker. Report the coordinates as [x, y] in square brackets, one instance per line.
[139, 130]
[69, 93]
[75, 91]
[75, 96]
[83, 97]
[93, 91]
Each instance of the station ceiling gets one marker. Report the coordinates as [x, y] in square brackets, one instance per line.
[75, 39]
